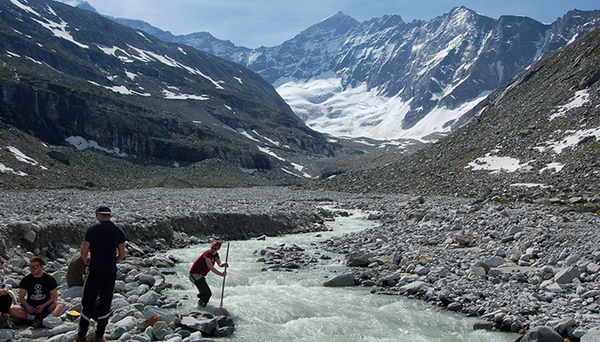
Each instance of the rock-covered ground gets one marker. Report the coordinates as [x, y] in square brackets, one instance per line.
[516, 266]
[142, 309]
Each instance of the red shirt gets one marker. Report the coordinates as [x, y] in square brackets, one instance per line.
[200, 265]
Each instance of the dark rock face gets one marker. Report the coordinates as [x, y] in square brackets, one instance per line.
[152, 102]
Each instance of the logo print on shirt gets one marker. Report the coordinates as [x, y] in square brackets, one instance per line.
[37, 295]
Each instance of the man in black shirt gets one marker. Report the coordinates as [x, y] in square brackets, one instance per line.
[105, 241]
[41, 293]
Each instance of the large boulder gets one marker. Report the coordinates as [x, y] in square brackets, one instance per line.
[567, 275]
[346, 279]
[542, 334]
[591, 336]
[358, 259]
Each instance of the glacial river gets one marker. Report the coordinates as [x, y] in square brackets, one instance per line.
[294, 306]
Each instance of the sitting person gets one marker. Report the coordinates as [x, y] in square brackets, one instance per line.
[40, 289]
[76, 271]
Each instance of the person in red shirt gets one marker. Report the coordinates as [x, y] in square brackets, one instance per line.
[201, 267]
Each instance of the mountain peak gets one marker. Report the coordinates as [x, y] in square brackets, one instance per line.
[340, 18]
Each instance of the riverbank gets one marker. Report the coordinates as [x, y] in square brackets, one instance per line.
[515, 266]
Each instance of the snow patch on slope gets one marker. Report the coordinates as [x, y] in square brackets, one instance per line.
[356, 112]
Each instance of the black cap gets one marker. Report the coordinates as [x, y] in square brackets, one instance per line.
[104, 210]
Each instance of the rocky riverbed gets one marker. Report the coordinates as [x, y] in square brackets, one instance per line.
[519, 267]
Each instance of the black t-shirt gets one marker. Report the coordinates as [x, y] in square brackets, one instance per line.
[104, 238]
[38, 289]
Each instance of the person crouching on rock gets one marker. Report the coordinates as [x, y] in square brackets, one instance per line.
[202, 266]
[40, 289]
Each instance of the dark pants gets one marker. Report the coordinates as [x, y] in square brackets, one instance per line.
[99, 286]
[204, 292]
[5, 302]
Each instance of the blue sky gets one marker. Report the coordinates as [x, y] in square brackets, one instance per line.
[252, 23]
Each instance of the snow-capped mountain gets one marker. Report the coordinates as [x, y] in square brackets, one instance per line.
[535, 139]
[386, 79]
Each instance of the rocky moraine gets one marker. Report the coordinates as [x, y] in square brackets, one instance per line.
[519, 267]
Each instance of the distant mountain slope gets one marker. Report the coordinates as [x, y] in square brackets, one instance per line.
[536, 139]
[385, 78]
[74, 78]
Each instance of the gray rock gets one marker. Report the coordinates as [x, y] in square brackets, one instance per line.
[224, 332]
[455, 306]
[514, 230]
[6, 334]
[566, 275]
[494, 261]
[72, 292]
[30, 236]
[118, 303]
[117, 333]
[149, 298]
[51, 322]
[412, 287]
[593, 335]
[160, 330]
[422, 270]
[358, 259]
[565, 323]
[125, 337]
[69, 336]
[206, 326]
[592, 268]
[147, 280]
[128, 323]
[175, 339]
[346, 279]
[541, 334]
[573, 258]
[483, 325]
[63, 328]
[141, 337]
[168, 316]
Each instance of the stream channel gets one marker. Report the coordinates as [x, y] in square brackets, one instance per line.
[294, 306]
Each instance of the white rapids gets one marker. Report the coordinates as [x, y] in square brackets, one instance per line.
[294, 306]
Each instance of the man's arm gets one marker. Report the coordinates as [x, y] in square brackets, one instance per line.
[121, 254]
[28, 308]
[22, 293]
[85, 249]
[212, 267]
[53, 298]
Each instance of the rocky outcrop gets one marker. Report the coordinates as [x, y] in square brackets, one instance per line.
[53, 112]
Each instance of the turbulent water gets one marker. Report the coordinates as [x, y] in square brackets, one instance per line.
[294, 306]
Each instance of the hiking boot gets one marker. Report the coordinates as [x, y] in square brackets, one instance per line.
[201, 304]
[80, 339]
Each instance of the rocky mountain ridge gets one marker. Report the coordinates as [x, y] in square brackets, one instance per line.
[385, 78]
[72, 78]
[534, 140]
